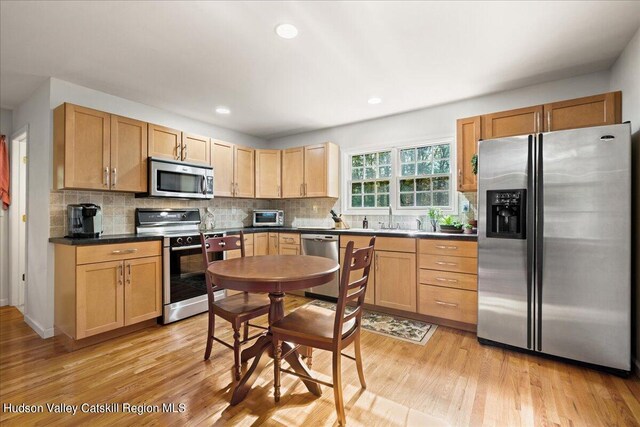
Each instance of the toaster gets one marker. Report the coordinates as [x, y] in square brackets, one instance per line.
[84, 220]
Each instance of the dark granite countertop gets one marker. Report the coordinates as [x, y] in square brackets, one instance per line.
[124, 238]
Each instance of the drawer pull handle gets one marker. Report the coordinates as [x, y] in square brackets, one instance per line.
[448, 304]
[452, 264]
[441, 279]
[124, 251]
[289, 239]
[453, 248]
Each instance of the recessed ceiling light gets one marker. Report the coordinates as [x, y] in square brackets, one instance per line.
[286, 31]
[374, 100]
[223, 110]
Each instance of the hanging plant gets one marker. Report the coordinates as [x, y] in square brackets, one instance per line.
[474, 164]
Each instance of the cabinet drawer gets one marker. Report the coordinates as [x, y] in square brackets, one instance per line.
[396, 244]
[358, 241]
[448, 248]
[290, 238]
[446, 303]
[448, 279]
[119, 251]
[449, 263]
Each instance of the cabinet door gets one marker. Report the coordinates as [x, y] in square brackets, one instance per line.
[142, 289]
[396, 280]
[87, 148]
[99, 298]
[467, 137]
[165, 142]
[244, 172]
[222, 162]
[315, 170]
[522, 121]
[369, 296]
[273, 244]
[289, 249]
[292, 172]
[128, 154]
[597, 110]
[196, 149]
[268, 170]
[261, 244]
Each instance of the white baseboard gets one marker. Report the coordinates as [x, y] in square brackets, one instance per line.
[44, 333]
[4, 302]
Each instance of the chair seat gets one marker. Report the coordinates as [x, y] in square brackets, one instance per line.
[312, 322]
[242, 303]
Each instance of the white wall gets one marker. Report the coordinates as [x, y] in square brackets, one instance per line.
[625, 76]
[6, 128]
[440, 121]
[62, 91]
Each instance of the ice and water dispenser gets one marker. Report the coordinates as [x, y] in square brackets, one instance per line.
[506, 214]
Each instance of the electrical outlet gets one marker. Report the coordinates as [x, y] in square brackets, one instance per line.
[465, 206]
[315, 208]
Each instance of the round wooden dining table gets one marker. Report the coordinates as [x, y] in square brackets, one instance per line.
[275, 275]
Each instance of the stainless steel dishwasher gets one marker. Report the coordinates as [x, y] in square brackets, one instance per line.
[326, 246]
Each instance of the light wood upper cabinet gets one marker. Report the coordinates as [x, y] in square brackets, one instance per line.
[244, 171]
[128, 154]
[82, 148]
[596, 110]
[292, 172]
[315, 170]
[268, 174]
[165, 142]
[467, 137]
[196, 149]
[222, 162]
[396, 280]
[522, 121]
[142, 295]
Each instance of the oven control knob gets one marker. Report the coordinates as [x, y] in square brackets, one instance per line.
[179, 240]
[189, 240]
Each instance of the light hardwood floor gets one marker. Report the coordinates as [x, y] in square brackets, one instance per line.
[452, 380]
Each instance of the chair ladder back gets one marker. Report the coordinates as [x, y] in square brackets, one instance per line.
[214, 245]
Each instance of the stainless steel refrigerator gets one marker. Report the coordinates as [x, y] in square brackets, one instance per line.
[554, 244]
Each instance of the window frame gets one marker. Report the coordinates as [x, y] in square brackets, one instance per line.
[394, 180]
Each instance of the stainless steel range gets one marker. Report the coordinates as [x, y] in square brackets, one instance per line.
[184, 285]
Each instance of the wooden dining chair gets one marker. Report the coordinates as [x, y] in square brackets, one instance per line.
[325, 329]
[236, 309]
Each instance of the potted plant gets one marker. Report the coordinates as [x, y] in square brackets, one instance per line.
[434, 215]
[449, 224]
[468, 229]
[474, 164]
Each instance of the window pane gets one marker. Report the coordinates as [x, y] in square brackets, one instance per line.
[369, 187]
[423, 184]
[441, 166]
[384, 171]
[409, 170]
[357, 174]
[406, 199]
[441, 151]
[370, 159]
[370, 173]
[369, 201]
[424, 153]
[383, 200]
[357, 161]
[423, 199]
[424, 168]
[408, 155]
[383, 187]
[356, 201]
[356, 188]
[441, 198]
[406, 185]
[441, 183]
[384, 158]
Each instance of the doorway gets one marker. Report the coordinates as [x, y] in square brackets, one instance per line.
[18, 220]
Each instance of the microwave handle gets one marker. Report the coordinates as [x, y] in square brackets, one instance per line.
[204, 184]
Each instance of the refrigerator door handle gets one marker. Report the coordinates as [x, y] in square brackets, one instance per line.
[539, 237]
[530, 235]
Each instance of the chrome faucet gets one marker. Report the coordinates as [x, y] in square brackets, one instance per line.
[419, 223]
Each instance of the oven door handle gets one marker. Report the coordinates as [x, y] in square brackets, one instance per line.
[185, 248]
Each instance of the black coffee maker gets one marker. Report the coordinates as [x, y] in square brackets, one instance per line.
[506, 214]
[84, 220]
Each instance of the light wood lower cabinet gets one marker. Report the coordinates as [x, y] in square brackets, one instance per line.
[94, 295]
[448, 303]
[261, 244]
[273, 244]
[395, 280]
[289, 244]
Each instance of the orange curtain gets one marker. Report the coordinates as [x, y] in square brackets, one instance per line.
[4, 173]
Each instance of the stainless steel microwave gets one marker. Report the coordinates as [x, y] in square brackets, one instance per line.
[268, 218]
[179, 180]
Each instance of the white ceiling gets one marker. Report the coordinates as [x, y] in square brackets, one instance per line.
[188, 57]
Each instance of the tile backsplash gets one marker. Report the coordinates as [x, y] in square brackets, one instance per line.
[118, 210]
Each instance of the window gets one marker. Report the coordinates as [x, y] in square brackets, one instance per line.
[425, 176]
[370, 180]
[405, 178]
